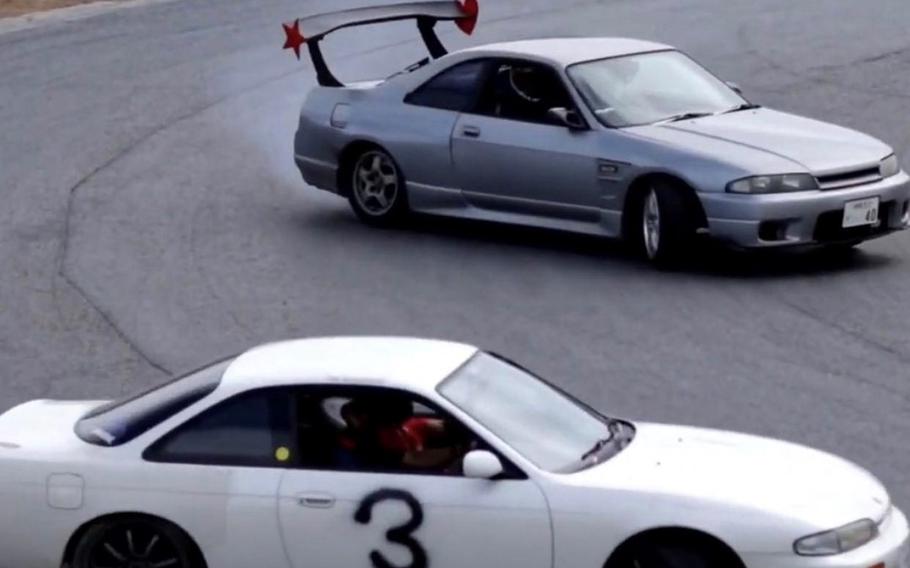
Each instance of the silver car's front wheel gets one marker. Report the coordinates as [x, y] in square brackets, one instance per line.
[662, 222]
[650, 221]
[377, 187]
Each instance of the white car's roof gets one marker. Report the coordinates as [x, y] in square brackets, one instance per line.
[566, 51]
[415, 364]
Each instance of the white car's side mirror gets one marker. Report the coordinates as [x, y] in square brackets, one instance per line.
[481, 464]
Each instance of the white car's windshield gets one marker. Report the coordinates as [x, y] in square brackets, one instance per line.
[651, 87]
[546, 426]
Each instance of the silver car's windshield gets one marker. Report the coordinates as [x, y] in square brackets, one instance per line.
[650, 87]
[546, 426]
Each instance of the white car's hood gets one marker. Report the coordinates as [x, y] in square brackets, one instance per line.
[818, 147]
[780, 478]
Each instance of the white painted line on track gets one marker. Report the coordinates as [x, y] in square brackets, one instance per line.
[69, 14]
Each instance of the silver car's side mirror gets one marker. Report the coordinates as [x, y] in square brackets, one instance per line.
[735, 87]
[481, 464]
[568, 118]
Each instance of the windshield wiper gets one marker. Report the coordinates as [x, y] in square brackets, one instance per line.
[599, 444]
[744, 106]
[686, 116]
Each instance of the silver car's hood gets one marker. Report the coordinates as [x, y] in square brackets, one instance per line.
[809, 144]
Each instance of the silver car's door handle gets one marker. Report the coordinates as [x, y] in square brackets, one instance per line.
[471, 131]
[315, 500]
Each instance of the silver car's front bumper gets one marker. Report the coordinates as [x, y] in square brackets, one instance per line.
[806, 217]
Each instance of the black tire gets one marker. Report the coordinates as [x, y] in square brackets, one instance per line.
[120, 541]
[674, 553]
[376, 188]
[673, 226]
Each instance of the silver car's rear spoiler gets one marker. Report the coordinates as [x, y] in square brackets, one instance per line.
[463, 12]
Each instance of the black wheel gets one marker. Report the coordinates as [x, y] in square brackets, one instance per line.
[134, 543]
[665, 224]
[674, 553]
[377, 189]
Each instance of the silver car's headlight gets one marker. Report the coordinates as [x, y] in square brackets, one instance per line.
[837, 541]
[773, 184]
[889, 166]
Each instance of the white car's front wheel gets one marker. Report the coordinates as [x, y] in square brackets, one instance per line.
[676, 551]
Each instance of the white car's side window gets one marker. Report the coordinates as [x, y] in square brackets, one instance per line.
[377, 430]
[252, 429]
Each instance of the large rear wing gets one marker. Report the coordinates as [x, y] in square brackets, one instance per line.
[311, 30]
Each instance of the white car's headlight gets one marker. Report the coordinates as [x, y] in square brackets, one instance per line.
[889, 166]
[837, 541]
[773, 184]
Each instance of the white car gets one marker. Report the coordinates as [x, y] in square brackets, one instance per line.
[307, 454]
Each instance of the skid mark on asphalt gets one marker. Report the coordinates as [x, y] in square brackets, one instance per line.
[206, 279]
[859, 338]
[62, 261]
[811, 75]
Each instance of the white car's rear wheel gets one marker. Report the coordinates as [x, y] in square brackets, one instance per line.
[134, 543]
[377, 188]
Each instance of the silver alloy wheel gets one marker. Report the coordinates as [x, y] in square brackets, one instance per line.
[376, 183]
[651, 224]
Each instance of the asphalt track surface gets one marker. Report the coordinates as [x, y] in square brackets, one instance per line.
[152, 219]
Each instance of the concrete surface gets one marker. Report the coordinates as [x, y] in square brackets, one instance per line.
[152, 220]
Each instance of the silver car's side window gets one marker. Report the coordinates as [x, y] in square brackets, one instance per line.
[454, 89]
[523, 91]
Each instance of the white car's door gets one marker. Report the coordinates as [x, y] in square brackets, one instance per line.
[410, 518]
[217, 476]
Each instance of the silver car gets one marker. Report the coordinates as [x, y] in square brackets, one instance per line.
[606, 136]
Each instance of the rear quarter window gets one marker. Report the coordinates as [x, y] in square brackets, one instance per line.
[454, 89]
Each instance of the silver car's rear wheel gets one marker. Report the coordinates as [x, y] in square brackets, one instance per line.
[376, 183]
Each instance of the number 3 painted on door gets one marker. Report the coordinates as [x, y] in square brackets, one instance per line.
[400, 534]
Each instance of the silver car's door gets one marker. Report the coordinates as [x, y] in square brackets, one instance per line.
[509, 155]
[425, 123]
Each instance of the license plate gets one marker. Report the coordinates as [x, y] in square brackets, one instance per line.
[861, 212]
